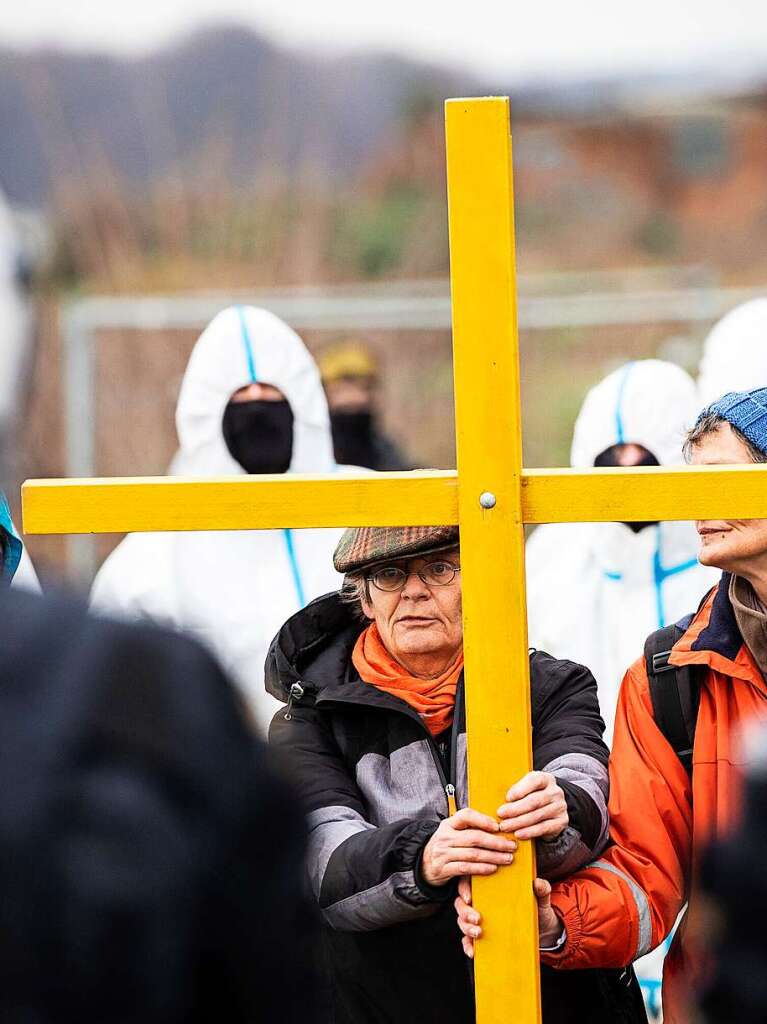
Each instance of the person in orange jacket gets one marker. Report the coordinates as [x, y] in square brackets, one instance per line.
[661, 818]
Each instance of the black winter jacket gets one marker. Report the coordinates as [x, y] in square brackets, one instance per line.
[374, 784]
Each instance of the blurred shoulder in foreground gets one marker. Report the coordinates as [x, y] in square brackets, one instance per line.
[152, 860]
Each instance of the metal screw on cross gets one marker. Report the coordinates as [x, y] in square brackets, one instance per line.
[489, 448]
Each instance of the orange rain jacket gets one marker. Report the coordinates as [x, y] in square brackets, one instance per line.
[626, 903]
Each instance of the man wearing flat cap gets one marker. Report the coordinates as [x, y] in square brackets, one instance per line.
[374, 733]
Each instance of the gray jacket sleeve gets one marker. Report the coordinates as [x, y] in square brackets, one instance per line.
[362, 876]
[567, 741]
[585, 784]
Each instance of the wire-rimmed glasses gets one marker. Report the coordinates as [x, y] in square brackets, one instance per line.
[434, 574]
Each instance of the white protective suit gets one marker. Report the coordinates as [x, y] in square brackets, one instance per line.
[597, 590]
[232, 589]
[735, 353]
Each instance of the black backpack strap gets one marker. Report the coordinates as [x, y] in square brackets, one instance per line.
[674, 691]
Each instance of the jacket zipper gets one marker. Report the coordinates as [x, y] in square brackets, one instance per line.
[295, 694]
[447, 785]
[452, 805]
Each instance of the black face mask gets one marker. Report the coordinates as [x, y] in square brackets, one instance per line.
[259, 435]
[609, 457]
[354, 438]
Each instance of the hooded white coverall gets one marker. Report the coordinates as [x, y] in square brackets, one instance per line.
[233, 590]
[595, 591]
[735, 353]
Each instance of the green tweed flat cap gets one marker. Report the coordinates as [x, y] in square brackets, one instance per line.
[368, 545]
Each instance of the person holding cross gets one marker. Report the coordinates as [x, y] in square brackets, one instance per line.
[676, 762]
[596, 590]
[374, 733]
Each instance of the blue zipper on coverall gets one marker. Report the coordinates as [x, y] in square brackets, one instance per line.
[660, 572]
[287, 533]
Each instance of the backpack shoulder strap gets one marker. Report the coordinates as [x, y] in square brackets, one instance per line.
[674, 692]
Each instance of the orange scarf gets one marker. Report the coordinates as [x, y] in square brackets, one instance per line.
[433, 699]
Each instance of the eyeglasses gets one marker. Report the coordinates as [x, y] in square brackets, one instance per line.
[434, 574]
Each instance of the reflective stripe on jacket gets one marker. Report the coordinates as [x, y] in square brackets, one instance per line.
[626, 902]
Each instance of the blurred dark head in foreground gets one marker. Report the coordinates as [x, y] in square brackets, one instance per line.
[151, 859]
[734, 882]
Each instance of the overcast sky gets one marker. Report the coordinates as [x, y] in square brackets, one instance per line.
[509, 38]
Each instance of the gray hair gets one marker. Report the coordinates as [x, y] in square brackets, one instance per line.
[353, 591]
[708, 423]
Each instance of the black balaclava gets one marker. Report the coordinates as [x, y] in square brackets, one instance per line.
[354, 437]
[259, 435]
[609, 457]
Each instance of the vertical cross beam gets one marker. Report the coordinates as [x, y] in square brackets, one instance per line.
[489, 453]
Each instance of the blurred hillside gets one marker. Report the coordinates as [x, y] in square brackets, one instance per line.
[225, 161]
[226, 104]
[222, 105]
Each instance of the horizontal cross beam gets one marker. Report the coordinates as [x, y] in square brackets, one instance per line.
[140, 504]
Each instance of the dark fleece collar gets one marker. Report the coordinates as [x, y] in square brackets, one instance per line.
[721, 634]
[314, 646]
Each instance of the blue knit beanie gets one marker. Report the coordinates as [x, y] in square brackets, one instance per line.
[746, 410]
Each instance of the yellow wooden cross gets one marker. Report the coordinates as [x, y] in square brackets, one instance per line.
[491, 497]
